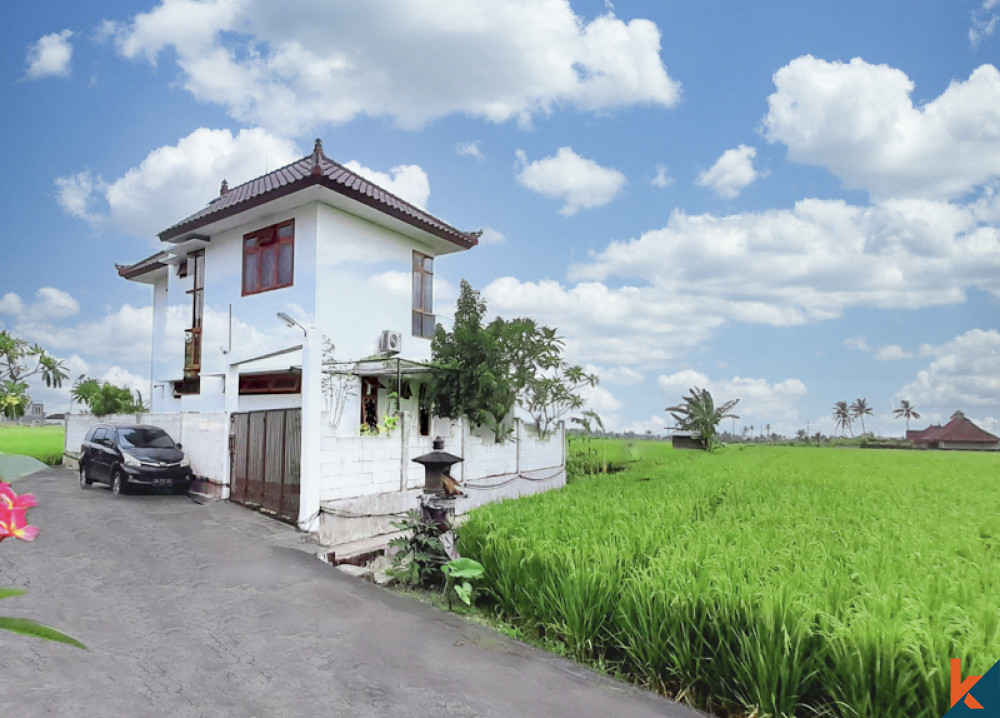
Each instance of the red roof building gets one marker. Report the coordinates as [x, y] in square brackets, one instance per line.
[959, 433]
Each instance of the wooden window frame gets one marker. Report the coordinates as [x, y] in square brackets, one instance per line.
[193, 335]
[276, 383]
[423, 319]
[268, 241]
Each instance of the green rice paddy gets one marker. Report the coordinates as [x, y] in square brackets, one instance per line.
[787, 581]
[44, 443]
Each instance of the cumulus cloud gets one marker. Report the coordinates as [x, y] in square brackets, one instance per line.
[621, 375]
[409, 182]
[124, 334]
[760, 400]
[662, 179]
[808, 263]
[579, 182]
[964, 374]
[470, 149]
[984, 22]
[51, 56]
[859, 121]
[291, 67]
[892, 352]
[50, 303]
[604, 325]
[731, 172]
[492, 236]
[858, 344]
[173, 181]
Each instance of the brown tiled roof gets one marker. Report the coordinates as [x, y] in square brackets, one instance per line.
[317, 169]
[131, 271]
[959, 429]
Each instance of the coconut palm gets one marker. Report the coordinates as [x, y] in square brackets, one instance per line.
[699, 414]
[907, 411]
[842, 417]
[859, 409]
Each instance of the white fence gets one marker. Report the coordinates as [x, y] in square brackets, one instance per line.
[367, 480]
[204, 437]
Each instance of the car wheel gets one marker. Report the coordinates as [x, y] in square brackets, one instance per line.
[118, 483]
[84, 481]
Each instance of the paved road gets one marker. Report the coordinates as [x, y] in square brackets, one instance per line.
[193, 610]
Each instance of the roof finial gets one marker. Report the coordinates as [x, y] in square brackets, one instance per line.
[317, 156]
[224, 189]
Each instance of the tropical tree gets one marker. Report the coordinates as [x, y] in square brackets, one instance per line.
[842, 417]
[859, 410]
[699, 414]
[103, 398]
[483, 370]
[907, 411]
[18, 362]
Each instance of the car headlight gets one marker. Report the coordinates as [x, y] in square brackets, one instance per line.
[130, 460]
[185, 462]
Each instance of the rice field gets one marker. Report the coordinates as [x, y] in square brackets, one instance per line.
[786, 581]
[44, 443]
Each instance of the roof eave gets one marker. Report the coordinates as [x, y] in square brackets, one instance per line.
[181, 232]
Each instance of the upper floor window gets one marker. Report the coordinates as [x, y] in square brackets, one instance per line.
[268, 258]
[423, 295]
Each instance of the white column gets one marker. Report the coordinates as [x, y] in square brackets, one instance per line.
[312, 407]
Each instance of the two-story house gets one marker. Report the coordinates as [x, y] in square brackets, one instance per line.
[292, 319]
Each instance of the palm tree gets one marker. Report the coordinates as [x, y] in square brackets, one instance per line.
[699, 414]
[859, 409]
[907, 411]
[842, 417]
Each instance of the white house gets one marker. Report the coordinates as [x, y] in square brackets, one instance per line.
[292, 319]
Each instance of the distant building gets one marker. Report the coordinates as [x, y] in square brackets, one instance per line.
[959, 433]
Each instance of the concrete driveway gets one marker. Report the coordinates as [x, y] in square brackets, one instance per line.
[193, 610]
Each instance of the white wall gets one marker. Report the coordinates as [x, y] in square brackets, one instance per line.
[205, 437]
[364, 480]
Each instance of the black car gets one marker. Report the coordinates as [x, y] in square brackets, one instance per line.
[133, 456]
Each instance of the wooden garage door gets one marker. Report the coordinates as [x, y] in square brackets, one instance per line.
[265, 452]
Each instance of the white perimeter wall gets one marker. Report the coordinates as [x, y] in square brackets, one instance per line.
[365, 480]
[205, 437]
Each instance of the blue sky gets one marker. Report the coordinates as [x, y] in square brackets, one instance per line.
[790, 203]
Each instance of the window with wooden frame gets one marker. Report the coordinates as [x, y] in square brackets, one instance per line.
[423, 295]
[269, 258]
[195, 264]
[280, 383]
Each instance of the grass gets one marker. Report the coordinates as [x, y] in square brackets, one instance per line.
[786, 581]
[44, 443]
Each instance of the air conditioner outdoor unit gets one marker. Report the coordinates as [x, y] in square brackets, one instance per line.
[390, 342]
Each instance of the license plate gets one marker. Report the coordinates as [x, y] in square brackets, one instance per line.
[162, 482]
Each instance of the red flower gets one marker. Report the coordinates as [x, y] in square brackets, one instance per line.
[13, 514]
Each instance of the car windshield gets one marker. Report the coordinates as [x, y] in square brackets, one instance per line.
[145, 438]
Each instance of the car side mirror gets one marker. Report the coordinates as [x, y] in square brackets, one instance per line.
[179, 445]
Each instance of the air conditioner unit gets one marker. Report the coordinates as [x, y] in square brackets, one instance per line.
[390, 342]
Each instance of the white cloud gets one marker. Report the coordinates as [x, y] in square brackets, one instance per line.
[621, 375]
[125, 334]
[809, 263]
[173, 181]
[964, 374]
[760, 401]
[859, 121]
[290, 67]
[50, 56]
[984, 22]
[409, 182]
[470, 149]
[75, 194]
[492, 236]
[579, 182]
[123, 377]
[50, 303]
[858, 344]
[662, 179]
[892, 352]
[602, 325]
[731, 172]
